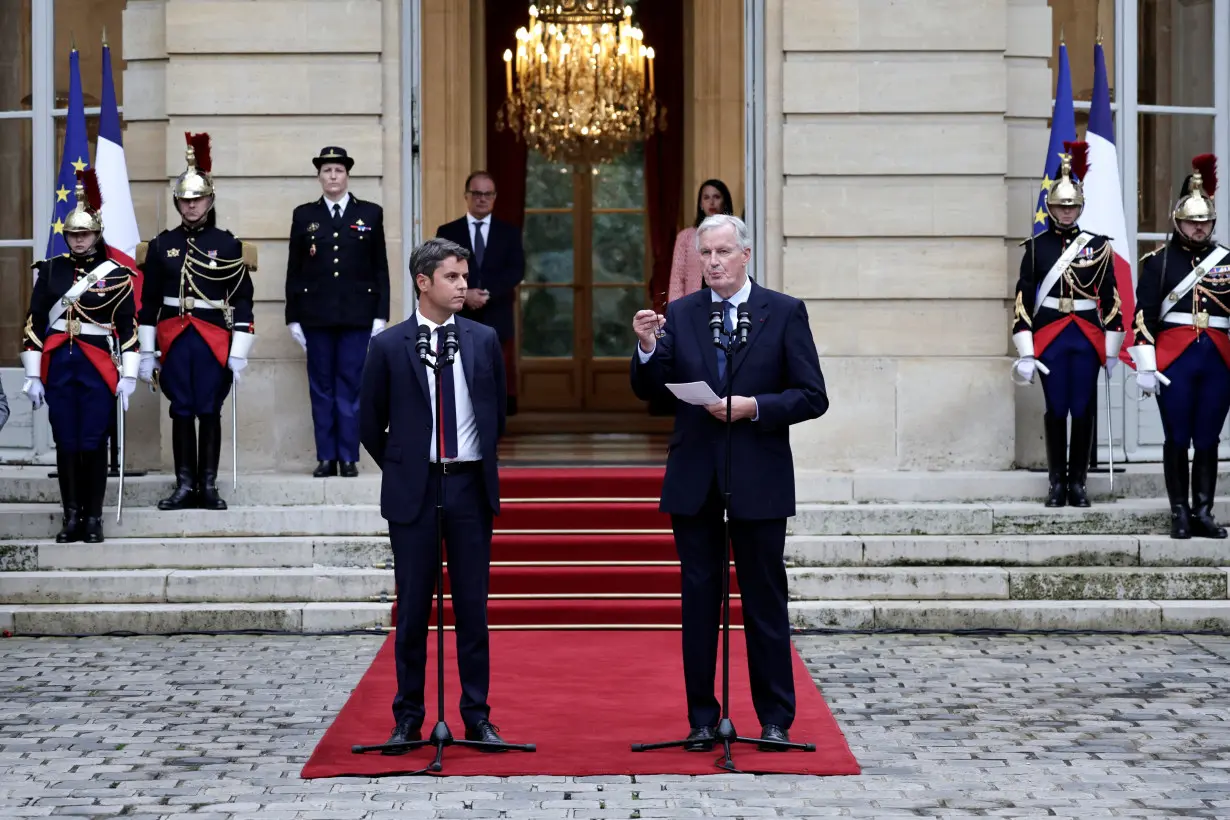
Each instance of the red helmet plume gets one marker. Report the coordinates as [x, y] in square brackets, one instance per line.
[93, 193]
[1080, 158]
[200, 148]
[1206, 164]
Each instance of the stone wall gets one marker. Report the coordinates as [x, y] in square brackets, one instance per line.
[909, 137]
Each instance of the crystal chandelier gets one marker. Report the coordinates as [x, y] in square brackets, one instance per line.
[584, 90]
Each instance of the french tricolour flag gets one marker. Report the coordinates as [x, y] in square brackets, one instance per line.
[1104, 195]
[120, 231]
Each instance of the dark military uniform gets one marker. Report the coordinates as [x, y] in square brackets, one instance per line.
[197, 312]
[80, 342]
[337, 292]
[1068, 319]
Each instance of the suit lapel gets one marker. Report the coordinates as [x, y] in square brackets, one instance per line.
[758, 308]
[467, 355]
[416, 364]
[700, 318]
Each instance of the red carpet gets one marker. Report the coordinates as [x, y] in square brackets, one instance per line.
[581, 482]
[583, 698]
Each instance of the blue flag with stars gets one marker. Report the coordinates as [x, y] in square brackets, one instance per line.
[1063, 129]
[76, 157]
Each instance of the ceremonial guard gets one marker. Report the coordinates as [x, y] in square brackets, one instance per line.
[1182, 350]
[1067, 325]
[196, 312]
[337, 299]
[80, 353]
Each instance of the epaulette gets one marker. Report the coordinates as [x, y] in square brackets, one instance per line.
[142, 252]
[249, 255]
[1026, 240]
[1153, 252]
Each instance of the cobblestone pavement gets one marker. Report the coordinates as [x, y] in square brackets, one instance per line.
[945, 726]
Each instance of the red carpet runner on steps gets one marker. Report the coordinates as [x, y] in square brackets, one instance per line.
[583, 698]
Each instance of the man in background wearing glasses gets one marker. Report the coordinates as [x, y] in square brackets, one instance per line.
[497, 266]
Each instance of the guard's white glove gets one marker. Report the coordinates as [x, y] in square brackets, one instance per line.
[1146, 380]
[124, 390]
[377, 326]
[33, 388]
[296, 333]
[1110, 365]
[145, 370]
[236, 365]
[1024, 368]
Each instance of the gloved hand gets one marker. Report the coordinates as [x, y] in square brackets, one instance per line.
[145, 370]
[33, 388]
[236, 365]
[1024, 368]
[124, 389]
[1110, 366]
[296, 333]
[1146, 380]
[377, 326]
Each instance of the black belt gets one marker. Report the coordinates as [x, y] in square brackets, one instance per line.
[454, 467]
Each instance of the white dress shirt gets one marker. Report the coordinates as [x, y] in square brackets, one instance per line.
[344, 201]
[467, 424]
[475, 224]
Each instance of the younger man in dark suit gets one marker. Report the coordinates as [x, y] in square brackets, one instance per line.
[399, 423]
[497, 266]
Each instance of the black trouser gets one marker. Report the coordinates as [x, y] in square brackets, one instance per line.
[467, 536]
[759, 547]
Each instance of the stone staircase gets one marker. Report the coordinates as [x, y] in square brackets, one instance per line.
[866, 551]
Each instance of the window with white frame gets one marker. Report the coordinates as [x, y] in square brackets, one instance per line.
[35, 39]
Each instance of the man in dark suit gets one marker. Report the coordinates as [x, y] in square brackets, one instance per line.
[398, 428]
[337, 298]
[497, 266]
[777, 383]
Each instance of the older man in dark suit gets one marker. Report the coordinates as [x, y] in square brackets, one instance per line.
[497, 266]
[398, 427]
[776, 383]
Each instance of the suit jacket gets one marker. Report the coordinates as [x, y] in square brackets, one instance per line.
[779, 367]
[395, 415]
[502, 270]
[337, 277]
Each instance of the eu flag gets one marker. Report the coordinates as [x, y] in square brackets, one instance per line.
[1063, 129]
[76, 157]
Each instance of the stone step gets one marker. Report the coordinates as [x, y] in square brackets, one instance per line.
[845, 615]
[31, 485]
[1004, 550]
[1125, 517]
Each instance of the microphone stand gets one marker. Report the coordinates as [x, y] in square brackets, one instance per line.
[440, 736]
[726, 733]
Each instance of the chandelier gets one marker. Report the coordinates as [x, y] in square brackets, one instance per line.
[584, 85]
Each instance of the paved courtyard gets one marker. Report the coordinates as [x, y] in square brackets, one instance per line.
[1077, 726]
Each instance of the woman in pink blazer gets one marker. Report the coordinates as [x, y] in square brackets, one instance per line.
[713, 198]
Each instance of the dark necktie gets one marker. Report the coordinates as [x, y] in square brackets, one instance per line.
[337, 212]
[729, 327]
[480, 246]
[446, 428]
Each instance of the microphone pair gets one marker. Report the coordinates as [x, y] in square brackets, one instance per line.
[717, 324]
[422, 343]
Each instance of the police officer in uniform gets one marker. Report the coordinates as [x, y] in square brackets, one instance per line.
[1182, 350]
[196, 312]
[1067, 326]
[337, 298]
[80, 353]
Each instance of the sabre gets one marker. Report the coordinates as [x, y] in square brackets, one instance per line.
[119, 431]
[1110, 440]
[235, 437]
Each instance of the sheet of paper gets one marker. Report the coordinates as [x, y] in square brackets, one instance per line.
[694, 393]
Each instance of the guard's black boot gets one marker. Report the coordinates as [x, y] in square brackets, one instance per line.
[211, 451]
[1056, 429]
[1079, 451]
[94, 488]
[183, 447]
[1174, 468]
[1204, 485]
[66, 472]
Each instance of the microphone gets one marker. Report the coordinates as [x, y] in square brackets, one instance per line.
[422, 342]
[716, 324]
[450, 343]
[744, 324]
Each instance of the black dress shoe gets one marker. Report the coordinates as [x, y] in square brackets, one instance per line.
[349, 469]
[700, 739]
[772, 732]
[324, 469]
[403, 733]
[484, 731]
[93, 530]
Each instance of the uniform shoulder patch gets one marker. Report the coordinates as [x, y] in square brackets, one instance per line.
[1152, 253]
[249, 255]
[142, 252]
